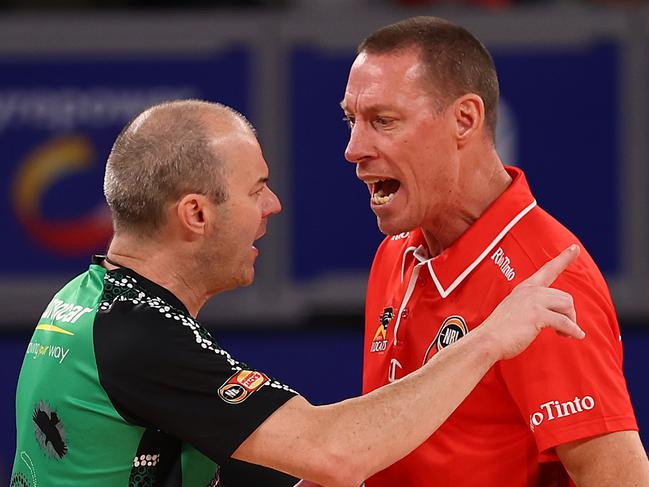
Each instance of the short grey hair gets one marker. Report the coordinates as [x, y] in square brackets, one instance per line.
[165, 152]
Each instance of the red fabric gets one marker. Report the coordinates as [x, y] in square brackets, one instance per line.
[508, 426]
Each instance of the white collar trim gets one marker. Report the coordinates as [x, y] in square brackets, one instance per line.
[445, 292]
[421, 254]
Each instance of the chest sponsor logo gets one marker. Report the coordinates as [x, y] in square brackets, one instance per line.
[553, 410]
[504, 264]
[56, 352]
[380, 341]
[49, 431]
[453, 328]
[241, 385]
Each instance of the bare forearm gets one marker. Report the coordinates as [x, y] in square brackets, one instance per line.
[342, 444]
[364, 425]
[611, 460]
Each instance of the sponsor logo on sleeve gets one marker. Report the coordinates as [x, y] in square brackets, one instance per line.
[60, 311]
[453, 328]
[380, 341]
[38, 350]
[241, 385]
[553, 410]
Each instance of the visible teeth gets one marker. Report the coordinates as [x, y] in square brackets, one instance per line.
[379, 199]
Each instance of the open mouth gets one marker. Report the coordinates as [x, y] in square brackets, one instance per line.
[260, 234]
[383, 190]
[261, 231]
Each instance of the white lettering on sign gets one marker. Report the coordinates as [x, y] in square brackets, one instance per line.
[68, 107]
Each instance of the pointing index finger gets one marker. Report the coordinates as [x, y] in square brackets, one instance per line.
[546, 275]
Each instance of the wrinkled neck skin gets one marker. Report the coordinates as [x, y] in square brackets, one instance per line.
[480, 181]
[160, 262]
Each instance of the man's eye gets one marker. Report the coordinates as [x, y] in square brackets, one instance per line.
[382, 121]
[349, 121]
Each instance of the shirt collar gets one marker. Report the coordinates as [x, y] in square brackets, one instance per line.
[153, 288]
[455, 263]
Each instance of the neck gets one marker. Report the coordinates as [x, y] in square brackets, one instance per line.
[155, 262]
[477, 187]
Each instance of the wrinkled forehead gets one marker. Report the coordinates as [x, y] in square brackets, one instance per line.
[383, 79]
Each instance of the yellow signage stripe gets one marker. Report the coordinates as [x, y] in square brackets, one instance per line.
[54, 328]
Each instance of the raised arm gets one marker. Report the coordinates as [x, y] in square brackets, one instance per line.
[343, 444]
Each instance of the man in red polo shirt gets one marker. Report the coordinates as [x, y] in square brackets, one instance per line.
[463, 230]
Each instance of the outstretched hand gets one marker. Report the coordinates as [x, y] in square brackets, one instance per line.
[532, 306]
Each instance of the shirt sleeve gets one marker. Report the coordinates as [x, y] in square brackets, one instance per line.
[570, 389]
[163, 370]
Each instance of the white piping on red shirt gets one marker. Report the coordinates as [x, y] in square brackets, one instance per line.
[421, 255]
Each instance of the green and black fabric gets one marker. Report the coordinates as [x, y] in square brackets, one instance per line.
[120, 386]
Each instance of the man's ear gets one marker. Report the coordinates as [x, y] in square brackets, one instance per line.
[190, 212]
[469, 117]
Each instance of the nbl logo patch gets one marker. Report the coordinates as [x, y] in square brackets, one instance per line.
[453, 328]
[241, 385]
[380, 341]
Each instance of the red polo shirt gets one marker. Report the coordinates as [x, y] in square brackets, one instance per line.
[557, 391]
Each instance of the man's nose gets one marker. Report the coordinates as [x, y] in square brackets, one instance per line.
[359, 147]
[272, 205]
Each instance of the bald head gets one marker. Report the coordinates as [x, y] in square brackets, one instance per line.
[167, 151]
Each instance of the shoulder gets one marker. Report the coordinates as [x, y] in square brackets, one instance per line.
[135, 325]
[538, 238]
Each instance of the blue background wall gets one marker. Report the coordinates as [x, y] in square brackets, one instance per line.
[565, 121]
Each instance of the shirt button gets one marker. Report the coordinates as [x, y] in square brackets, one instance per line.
[405, 313]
